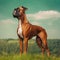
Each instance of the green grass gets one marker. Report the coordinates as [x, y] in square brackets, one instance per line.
[9, 50]
[28, 57]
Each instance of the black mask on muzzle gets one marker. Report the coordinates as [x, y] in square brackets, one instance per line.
[16, 13]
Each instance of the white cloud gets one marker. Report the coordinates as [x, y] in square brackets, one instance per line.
[7, 21]
[35, 23]
[8, 28]
[44, 15]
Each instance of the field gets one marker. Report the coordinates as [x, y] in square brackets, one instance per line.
[9, 50]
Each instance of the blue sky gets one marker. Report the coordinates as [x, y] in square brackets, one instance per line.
[45, 13]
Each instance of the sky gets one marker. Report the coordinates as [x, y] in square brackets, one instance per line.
[45, 13]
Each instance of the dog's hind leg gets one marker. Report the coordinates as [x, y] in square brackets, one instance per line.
[43, 37]
[39, 43]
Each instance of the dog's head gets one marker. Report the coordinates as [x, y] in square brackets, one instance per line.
[19, 11]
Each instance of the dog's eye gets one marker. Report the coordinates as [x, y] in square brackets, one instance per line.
[18, 10]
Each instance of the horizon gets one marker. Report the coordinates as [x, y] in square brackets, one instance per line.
[29, 40]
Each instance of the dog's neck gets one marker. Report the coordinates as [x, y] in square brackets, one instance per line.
[23, 19]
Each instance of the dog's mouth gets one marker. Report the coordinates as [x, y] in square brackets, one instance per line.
[16, 15]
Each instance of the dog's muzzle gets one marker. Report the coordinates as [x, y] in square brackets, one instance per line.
[16, 13]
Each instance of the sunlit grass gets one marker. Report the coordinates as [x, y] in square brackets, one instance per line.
[28, 57]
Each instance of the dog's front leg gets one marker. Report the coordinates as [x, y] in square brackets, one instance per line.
[21, 46]
[25, 45]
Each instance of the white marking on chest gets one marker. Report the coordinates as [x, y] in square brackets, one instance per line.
[20, 29]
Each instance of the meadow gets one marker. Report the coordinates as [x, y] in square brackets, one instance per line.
[9, 50]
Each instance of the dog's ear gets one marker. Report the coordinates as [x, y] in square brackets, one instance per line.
[24, 8]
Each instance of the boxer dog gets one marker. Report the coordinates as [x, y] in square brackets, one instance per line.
[26, 31]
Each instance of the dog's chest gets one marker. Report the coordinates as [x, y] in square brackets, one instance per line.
[20, 29]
